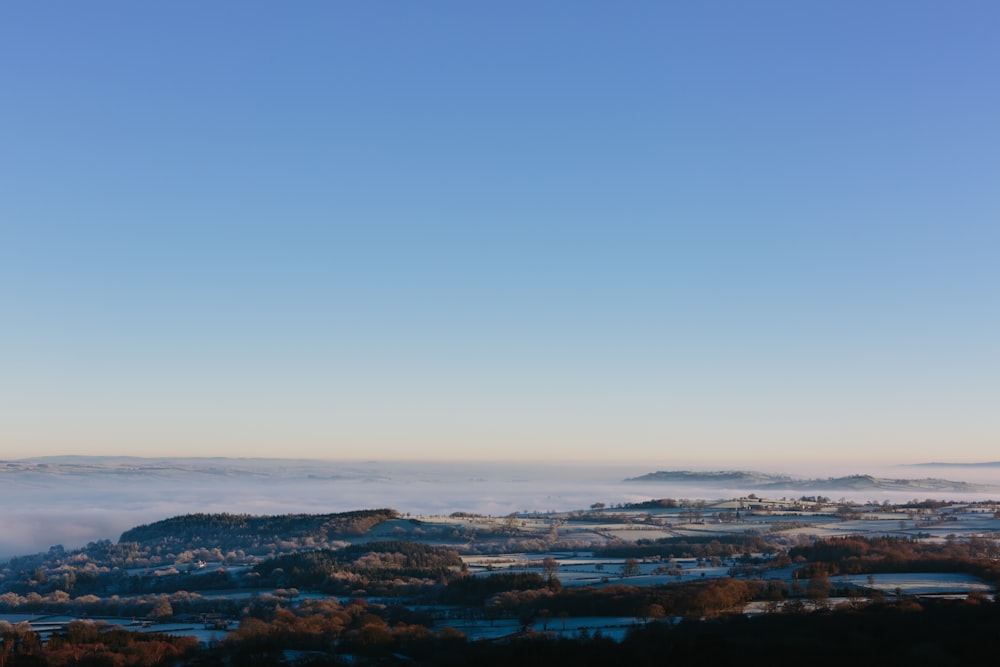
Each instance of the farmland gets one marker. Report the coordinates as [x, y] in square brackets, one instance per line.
[610, 570]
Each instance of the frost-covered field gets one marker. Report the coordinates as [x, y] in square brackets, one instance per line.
[931, 583]
[587, 570]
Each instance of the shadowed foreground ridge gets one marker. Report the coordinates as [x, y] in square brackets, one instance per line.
[942, 632]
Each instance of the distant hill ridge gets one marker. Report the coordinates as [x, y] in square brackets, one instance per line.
[758, 480]
[945, 464]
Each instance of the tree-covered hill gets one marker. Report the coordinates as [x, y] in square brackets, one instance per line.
[245, 531]
[356, 566]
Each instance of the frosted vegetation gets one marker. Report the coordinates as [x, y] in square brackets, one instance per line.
[370, 582]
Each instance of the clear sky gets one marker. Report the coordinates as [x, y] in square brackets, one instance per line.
[656, 231]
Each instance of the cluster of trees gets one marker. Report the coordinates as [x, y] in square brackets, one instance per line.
[689, 547]
[474, 591]
[140, 606]
[93, 644]
[327, 625]
[355, 567]
[869, 555]
[661, 503]
[66, 583]
[697, 599]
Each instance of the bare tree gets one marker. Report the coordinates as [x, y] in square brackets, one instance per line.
[630, 567]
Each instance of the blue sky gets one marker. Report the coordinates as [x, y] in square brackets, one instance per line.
[665, 232]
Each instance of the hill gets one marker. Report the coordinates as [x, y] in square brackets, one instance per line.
[248, 532]
[765, 481]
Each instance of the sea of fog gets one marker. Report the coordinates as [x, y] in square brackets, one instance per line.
[75, 500]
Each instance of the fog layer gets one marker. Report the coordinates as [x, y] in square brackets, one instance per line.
[75, 500]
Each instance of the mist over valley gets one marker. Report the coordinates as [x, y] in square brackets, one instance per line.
[74, 500]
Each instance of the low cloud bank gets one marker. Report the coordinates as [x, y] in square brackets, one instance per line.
[74, 501]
